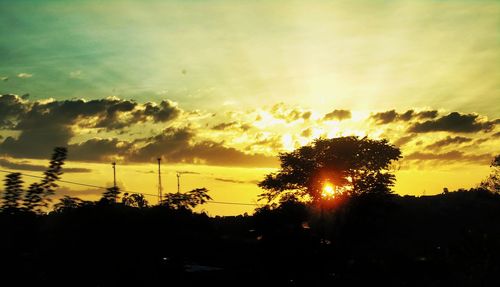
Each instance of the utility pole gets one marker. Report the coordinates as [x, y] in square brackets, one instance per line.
[114, 174]
[178, 183]
[160, 194]
[115, 189]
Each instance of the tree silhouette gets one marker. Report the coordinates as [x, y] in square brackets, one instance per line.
[110, 195]
[188, 200]
[38, 194]
[54, 172]
[492, 182]
[134, 200]
[352, 165]
[67, 203]
[33, 199]
[13, 192]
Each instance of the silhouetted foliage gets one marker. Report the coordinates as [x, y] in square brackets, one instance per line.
[361, 164]
[188, 200]
[492, 182]
[134, 200]
[110, 196]
[13, 192]
[54, 172]
[38, 195]
[68, 203]
[33, 198]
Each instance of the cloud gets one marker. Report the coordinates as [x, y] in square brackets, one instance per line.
[178, 146]
[224, 126]
[163, 112]
[235, 125]
[284, 112]
[448, 141]
[338, 115]
[100, 150]
[404, 140]
[454, 122]
[385, 117]
[450, 157]
[23, 165]
[306, 133]
[393, 116]
[44, 125]
[24, 75]
[11, 108]
[230, 180]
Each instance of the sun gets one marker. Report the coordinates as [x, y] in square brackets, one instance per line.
[328, 190]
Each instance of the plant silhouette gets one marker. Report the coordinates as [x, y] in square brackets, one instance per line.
[13, 192]
[110, 196]
[134, 200]
[356, 165]
[188, 200]
[37, 196]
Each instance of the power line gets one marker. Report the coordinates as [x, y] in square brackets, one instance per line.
[126, 191]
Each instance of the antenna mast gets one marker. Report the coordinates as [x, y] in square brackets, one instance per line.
[160, 189]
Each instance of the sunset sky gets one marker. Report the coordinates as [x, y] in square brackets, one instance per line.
[219, 88]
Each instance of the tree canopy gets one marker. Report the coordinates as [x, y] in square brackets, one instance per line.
[492, 182]
[348, 165]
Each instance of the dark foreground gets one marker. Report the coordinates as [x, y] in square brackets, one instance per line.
[445, 240]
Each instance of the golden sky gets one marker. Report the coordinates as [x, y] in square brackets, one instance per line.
[218, 88]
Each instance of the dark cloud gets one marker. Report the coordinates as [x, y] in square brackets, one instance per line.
[45, 125]
[450, 157]
[338, 115]
[306, 133]
[224, 126]
[234, 125]
[178, 146]
[98, 150]
[230, 180]
[164, 112]
[448, 141]
[385, 117]
[23, 165]
[404, 140]
[454, 122]
[11, 108]
[306, 115]
[36, 142]
[392, 116]
[427, 114]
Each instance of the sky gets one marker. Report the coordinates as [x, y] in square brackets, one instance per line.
[219, 88]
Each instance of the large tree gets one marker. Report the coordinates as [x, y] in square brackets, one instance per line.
[492, 182]
[349, 165]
